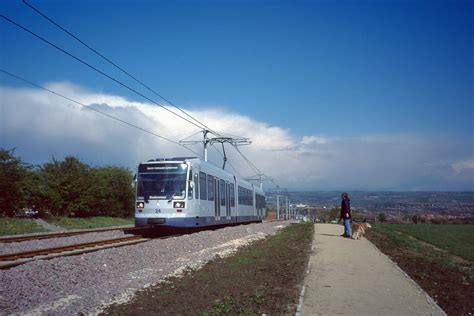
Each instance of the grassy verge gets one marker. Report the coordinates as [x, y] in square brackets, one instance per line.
[447, 245]
[263, 278]
[455, 239]
[16, 226]
[91, 222]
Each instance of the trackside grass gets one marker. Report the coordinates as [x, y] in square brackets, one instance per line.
[16, 226]
[263, 278]
[90, 222]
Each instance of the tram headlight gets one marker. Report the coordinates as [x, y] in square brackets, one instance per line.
[140, 204]
[178, 204]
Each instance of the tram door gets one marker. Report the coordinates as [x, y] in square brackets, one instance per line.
[216, 199]
[227, 199]
[222, 197]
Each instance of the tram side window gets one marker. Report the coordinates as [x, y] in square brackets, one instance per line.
[232, 195]
[210, 187]
[202, 186]
[196, 185]
[260, 201]
[245, 196]
[222, 191]
[190, 188]
[239, 197]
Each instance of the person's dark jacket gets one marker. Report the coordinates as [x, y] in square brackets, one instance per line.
[346, 208]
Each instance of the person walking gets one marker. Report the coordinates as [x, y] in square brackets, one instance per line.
[346, 215]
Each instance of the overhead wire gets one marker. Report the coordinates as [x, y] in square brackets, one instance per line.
[199, 132]
[255, 169]
[96, 110]
[213, 146]
[252, 166]
[95, 69]
[276, 185]
[231, 135]
[115, 65]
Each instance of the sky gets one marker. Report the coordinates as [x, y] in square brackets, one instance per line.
[335, 95]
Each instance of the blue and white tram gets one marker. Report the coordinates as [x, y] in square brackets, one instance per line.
[192, 193]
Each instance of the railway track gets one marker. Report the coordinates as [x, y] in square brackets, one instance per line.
[10, 239]
[18, 258]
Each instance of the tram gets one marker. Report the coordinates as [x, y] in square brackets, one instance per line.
[188, 192]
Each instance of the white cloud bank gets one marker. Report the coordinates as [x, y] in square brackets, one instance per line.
[463, 166]
[41, 125]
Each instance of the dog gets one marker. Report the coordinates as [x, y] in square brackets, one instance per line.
[359, 229]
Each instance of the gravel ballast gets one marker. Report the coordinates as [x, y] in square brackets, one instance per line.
[90, 282]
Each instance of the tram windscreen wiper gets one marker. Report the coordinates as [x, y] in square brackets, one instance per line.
[172, 196]
[142, 190]
[147, 197]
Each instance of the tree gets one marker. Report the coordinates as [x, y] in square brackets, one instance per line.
[381, 217]
[66, 187]
[335, 213]
[33, 193]
[418, 219]
[72, 188]
[12, 175]
[112, 193]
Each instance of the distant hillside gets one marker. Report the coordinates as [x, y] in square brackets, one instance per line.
[365, 198]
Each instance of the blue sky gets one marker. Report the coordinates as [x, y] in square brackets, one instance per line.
[360, 77]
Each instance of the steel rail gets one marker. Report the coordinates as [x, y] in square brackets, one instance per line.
[55, 250]
[9, 239]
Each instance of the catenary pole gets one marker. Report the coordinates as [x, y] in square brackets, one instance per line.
[278, 206]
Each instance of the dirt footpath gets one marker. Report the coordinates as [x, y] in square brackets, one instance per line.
[352, 277]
